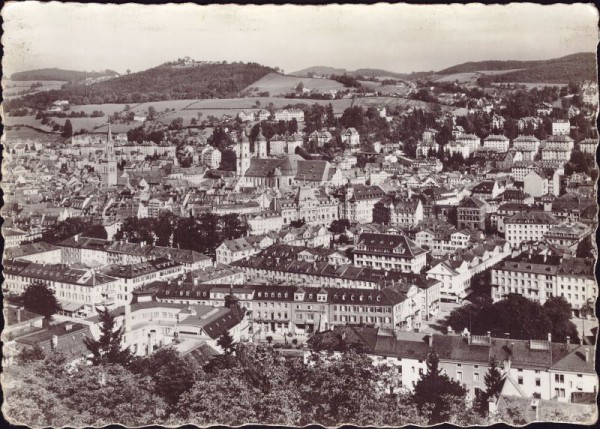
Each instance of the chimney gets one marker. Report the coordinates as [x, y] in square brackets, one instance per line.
[550, 337]
[430, 340]
[587, 354]
[568, 339]
[18, 315]
[507, 335]
[54, 343]
[69, 327]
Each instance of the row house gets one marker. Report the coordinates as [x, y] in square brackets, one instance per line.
[309, 205]
[79, 290]
[289, 309]
[323, 274]
[539, 277]
[389, 252]
[99, 252]
[530, 368]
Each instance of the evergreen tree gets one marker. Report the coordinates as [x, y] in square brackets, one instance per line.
[433, 389]
[225, 341]
[67, 129]
[493, 383]
[108, 348]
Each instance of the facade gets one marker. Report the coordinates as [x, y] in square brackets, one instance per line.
[496, 143]
[561, 127]
[588, 146]
[289, 114]
[211, 157]
[528, 226]
[389, 252]
[400, 212]
[358, 201]
[351, 137]
[539, 277]
[472, 213]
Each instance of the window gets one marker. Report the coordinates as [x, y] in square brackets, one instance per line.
[476, 377]
[538, 382]
[520, 380]
[559, 378]
[459, 375]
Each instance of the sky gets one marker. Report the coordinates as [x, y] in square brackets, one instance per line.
[400, 38]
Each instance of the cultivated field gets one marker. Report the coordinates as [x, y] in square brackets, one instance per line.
[277, 84]
[108, 109]
[11, 88]
[26, 133]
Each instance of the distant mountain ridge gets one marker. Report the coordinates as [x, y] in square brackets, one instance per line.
[575, 67]
[60, 74]
[366, 72]
[579, 66]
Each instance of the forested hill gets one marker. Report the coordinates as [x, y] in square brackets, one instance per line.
[576, 67]
[165, 82]
[60, 75]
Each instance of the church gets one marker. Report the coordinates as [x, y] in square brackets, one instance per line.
[290, 170]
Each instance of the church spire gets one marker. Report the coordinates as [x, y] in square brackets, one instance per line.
[109, 136]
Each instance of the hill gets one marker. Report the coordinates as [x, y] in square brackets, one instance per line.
[160, 83]
[57, 74]
[277, 84]
[364, 72]
[319, 70]
[576, 67]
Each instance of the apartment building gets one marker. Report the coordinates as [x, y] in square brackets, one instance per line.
[528, 226]
[539, 277]
[389, 252]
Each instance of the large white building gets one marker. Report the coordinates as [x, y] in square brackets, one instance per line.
[389, 252]
[561, 127]
[528, 226]
[539, 277]
[496, 143]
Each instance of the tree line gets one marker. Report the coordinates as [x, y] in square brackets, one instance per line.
[202, 233]
[248, 383]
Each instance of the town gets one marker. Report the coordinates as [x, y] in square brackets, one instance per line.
[435, 235]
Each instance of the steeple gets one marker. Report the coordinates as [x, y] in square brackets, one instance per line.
[109, 136]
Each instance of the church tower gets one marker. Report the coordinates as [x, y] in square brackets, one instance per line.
[108, 165]
[243, 156]
[260, 146]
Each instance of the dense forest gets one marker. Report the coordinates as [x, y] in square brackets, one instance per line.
[160, 83]
[59, 74]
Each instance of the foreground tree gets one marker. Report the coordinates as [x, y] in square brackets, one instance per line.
[40, 299]
[171, 375]
[108, 349]
[433, 390]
